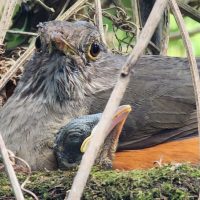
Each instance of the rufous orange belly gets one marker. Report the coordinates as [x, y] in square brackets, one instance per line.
[180, 151]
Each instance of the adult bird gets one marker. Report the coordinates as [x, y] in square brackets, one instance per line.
[72, 74]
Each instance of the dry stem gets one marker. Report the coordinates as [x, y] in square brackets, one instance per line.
[114, 101]
[99, 20]
[22, 32]
[20, 61]
[6, 18]
[73, 9]
[191, 57]
[177, 35]
[10, 171]
[137, 17]
[189, 11]
[45, 6]
[27, 178]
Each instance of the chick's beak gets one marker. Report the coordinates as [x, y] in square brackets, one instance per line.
[117, 124]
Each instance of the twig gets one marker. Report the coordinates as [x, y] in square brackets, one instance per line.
[137, 16]
[27, 178]
[22, 32]
[99, 19]
[2, 5]
[73, 9]
[45, 6]
[114, 101]
[189, 11]
[63, 8]
[6, 18]
[10, 171]
[177, 35]
[20, 61]
[190, 55]
[164, 26]
[2, 97]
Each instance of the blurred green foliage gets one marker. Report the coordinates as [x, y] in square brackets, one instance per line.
[176, 47]
[117, 38]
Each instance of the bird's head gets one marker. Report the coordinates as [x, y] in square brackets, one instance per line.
[68, 64]
[73, 139]
[70, 139]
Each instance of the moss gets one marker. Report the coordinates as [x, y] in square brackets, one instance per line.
[167, 182]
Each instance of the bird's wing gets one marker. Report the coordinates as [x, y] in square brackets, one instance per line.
[161, 95]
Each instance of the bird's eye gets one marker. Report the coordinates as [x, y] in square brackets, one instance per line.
[74, 137]
[94, 50]
[38, 43]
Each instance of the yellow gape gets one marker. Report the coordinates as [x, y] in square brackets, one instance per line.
[85, 144]
[118, 120]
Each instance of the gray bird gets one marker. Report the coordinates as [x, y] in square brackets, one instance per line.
[72, 139]
[71, 74]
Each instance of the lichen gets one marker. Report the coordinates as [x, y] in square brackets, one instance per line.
[167, 182]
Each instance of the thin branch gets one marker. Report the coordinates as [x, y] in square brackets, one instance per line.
[27, 178]
[137, 16]
[10, 171]
[114, 101]
[165, 32]
[63, 8]
[2, 97]
[2, 5]
[45, 6]
[191, 57]
[73, 9]
[22, 32]
[20, 61]
[177, 35]
[6, 19]
[189, 11]
[99, 19]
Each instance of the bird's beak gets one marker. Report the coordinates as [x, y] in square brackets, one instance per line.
[117, 124]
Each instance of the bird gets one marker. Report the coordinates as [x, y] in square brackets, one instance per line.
[72, 73]
[73, 139]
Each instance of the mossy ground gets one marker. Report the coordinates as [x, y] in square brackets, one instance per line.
[167, 182]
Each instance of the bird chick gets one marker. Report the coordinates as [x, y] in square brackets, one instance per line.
[73, 139]
[63, 72]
